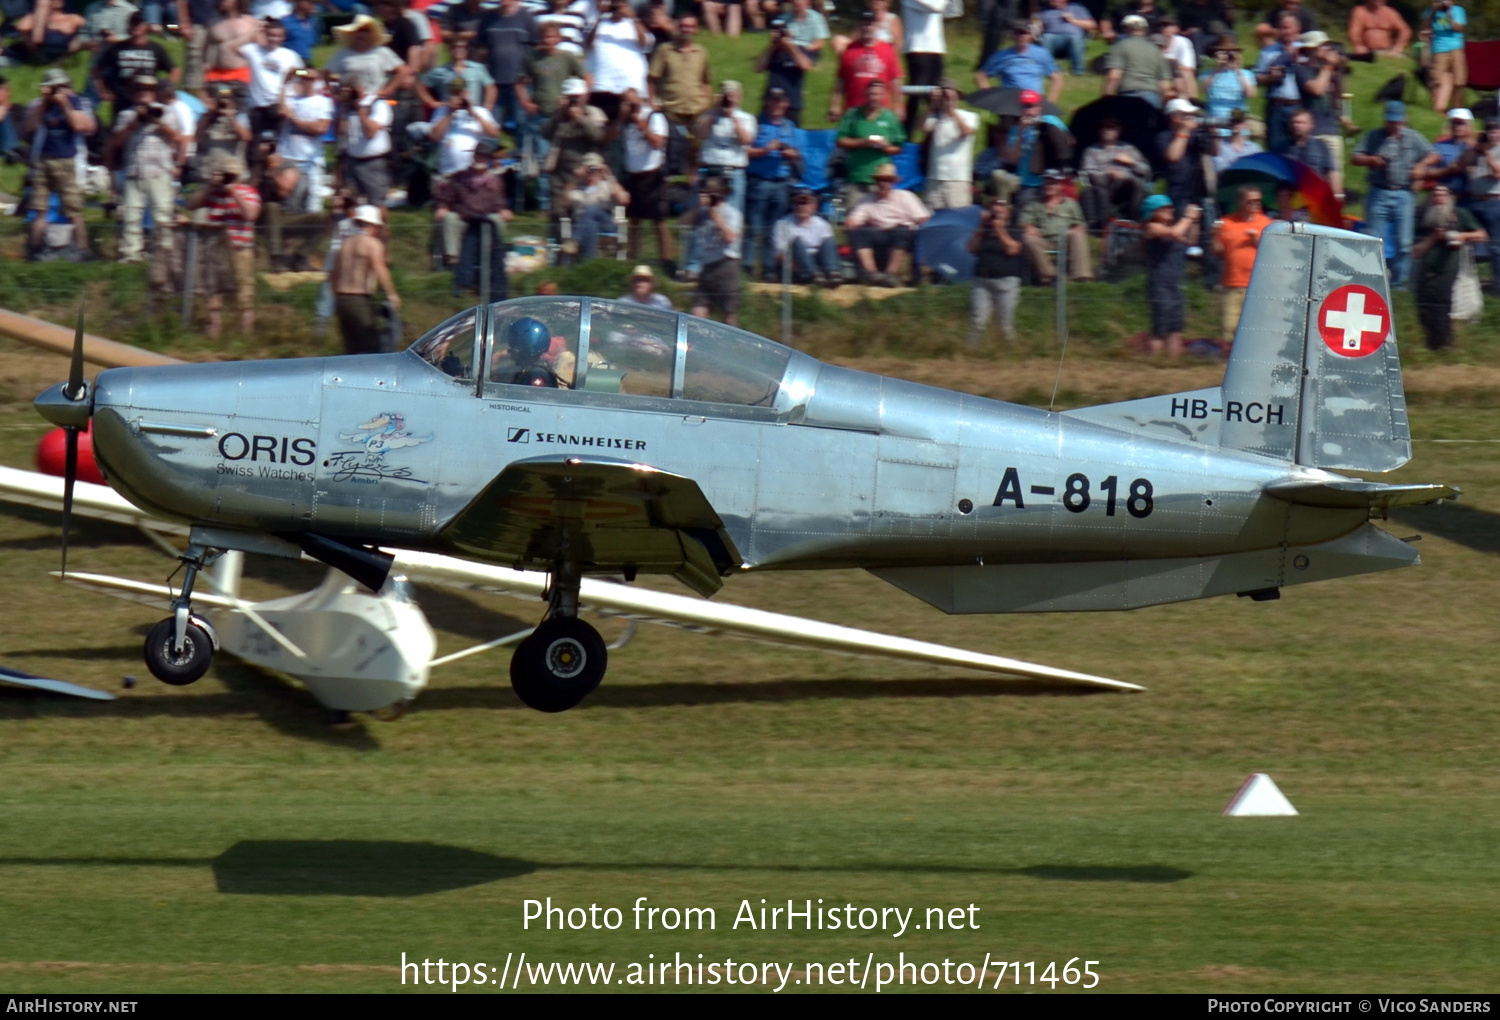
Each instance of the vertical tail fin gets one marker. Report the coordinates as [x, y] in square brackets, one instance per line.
[1315, 378]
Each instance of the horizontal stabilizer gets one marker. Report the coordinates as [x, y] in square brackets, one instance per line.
[41, 683]
[1354, 494]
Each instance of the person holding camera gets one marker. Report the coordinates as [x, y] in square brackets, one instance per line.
[725, 133]
[226, 250]
[56, 123]
[1276, 72]
[1446, 228]
[1236, 239]
[222, 131]
[1237, 145]
[574, 130]
[644, 129]
[591, 202]
[457, 127]
[433, 85]
[147, 140]
[1183, 148]
[997, 274]
[295, 167]
[718, 228]
[367, 140]
[1166, 241]
[617, 46]
[950, 137]
[1229, 87]
[785, 64]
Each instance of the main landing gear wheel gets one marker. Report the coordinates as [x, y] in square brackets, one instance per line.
[559, 665]
[171, 666]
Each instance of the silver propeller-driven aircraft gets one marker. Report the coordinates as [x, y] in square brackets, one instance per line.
[579, 437]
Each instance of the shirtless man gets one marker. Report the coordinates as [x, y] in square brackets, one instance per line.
[234, 30]
[359, 265]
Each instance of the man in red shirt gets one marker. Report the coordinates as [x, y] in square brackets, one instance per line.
[865, 60]
[1236, 240]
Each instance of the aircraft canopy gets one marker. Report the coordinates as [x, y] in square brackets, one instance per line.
[611, 347]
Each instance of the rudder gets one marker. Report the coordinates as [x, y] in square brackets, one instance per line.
[1315, 377]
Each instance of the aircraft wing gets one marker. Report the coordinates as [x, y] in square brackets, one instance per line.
[101, 502]
[611, 515]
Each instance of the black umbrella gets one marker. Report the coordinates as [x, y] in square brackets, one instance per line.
[1006, 103]
[1140, 123]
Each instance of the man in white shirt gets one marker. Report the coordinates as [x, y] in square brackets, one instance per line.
[925, 47]
[643, 128]
[950, 167]
[367, 143]
[807, 239]
[270, 64]
[617, 46]
[457, 127]
[306, 114]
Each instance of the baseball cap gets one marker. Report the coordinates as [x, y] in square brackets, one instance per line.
[1030, 98]
[1181, 106]
[144, 81]
[1313, 39]
[1395, 110]
[1460, 114]
[776, 93]
[730, 85]
[886, 169]
[369, 214]
[1134, 21]
[1153, 203]
[1021, 26]
[591, 159]
[574, 87]
[56, 76]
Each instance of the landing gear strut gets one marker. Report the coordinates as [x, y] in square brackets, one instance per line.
[180, 648]
[564, 659]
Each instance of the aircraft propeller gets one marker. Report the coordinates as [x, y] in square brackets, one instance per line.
[70, 405]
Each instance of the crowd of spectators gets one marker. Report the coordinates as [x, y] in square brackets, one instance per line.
[607, 115]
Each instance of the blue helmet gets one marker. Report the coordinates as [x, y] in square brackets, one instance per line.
[527, 340]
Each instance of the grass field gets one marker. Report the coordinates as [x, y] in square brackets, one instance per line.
[220, 837]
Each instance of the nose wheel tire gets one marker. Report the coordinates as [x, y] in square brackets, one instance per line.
[559, 665]
[178, 668]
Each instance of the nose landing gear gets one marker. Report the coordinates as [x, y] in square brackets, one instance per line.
[180, 648]
[564, 659]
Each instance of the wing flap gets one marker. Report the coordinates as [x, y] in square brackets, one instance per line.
[610, 516]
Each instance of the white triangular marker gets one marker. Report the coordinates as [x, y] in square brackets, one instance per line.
[1258, 796]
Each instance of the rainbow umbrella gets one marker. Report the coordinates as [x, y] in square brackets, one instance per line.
[1311, 189]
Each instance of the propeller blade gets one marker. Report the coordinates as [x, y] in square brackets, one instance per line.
[70, 475]
[75, 370]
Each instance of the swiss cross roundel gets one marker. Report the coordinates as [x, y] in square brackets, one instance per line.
[1354, 321]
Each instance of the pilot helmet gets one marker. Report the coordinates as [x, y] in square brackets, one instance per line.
[527, 339]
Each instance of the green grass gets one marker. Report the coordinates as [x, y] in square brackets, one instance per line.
[220, 838]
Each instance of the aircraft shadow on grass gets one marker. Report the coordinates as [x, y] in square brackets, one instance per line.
[339, 867]
[1468, 526]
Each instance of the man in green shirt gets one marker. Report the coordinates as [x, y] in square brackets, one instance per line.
[1135, 66]
[1052, 223]
[539, 91]
[869, 135]
[1445, 229]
